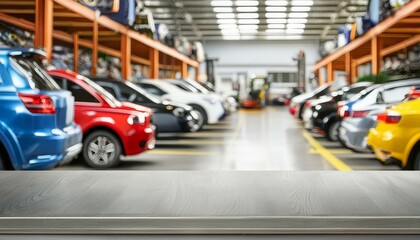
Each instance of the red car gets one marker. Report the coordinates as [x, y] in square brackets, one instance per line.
[110, 128]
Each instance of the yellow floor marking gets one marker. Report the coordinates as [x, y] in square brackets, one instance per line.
[165, 152]
[327, 155]
[333, 151]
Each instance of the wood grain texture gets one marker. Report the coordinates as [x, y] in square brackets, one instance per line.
[209, 202]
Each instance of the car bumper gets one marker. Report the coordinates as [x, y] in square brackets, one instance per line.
[383, 145]
[354, 137]
[139, 140]
[45, 150]
[307, 118]
[215, 114]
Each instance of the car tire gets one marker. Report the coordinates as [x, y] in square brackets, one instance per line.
[201, 112]
[198, 125]
[101, 149]
[332, 131]
[416, 159]
[2, 166]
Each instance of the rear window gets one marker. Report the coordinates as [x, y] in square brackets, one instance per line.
[30, 69]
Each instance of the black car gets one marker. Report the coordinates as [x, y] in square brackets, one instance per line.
[323, 117]
[169, 117]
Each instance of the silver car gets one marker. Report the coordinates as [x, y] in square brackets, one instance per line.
[362, 117]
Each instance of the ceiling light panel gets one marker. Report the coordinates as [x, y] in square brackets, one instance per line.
[293, 30]
[276, 9]
[246, 3]
[221, 3]
[225, 15]
[275, 15]
[227, 26]
[248, 21]
[276, 20]
[276, 3]
[302, 2]
[223, 9]
[226, 21]
[248, 26]
[275, 25]
[297, 20]
[300, 9]
[247, 9]
[248, 15]
[295, 25]
[298, 15]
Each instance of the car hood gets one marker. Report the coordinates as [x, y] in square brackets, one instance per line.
[177, 105]
[134, 107]
[302, 97]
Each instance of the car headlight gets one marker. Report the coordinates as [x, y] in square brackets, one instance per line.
[178, 112]
[210, 100]
[137, 119]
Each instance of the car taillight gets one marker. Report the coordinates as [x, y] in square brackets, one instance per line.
[343, 111]
[37, 103]
[389, 117]
[357, 114]
[307, 104]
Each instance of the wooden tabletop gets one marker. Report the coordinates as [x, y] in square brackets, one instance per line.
[224, 202]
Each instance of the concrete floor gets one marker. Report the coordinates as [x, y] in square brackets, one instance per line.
[268, 139]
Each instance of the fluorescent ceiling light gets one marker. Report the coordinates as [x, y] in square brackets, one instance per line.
[227, 37]
[230, 31]
[275, 15]
[297, 20]
[247, 9]
[293, 30]
[276, 9]
[275, 26]
[248, 21]
[226, 21]
[225, 15]
[300, 9]
[276, 20]
[227, 26]
[295, 25]
[248, 15]
[274, 30]
[249, 26]
[276, 3]
[302, 2]
[221, 3]
[222, 9]
[298, 15]
[246, 3]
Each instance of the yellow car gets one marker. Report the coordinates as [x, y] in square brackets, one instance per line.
[396, 138]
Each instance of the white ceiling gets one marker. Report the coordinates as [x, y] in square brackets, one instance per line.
[256, 19]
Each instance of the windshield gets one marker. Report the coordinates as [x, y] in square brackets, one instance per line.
[105, 94]
[198, 86]
[363, 93]
[29, 67]
[143, 92]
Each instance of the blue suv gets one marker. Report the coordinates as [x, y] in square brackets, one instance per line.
[37, 129]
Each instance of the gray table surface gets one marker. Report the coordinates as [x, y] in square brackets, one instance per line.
[141, 202]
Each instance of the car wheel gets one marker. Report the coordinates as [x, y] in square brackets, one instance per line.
[196, 124]
[2, 167]
[332, 131]
[101, 149]
[201, 112]
[416, 163]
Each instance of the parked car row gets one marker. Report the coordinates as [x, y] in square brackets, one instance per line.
[367, 117]
[50, 116]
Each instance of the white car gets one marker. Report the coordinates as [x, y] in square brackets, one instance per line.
[229, 103]
[209, 107]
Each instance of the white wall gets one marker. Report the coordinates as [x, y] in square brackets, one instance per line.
[259, 57]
